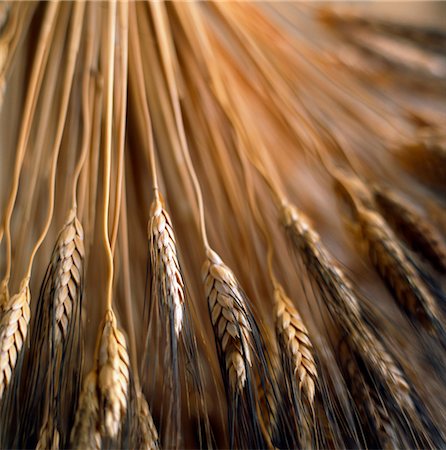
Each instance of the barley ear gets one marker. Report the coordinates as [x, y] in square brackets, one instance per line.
[295, 343]
[113, 377]
[166, 275]
[85, 434]
[49, 437]
[147, 438]
[13, 330]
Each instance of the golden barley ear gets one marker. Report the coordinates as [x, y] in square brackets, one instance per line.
[146, 433]
[240, 350]
[13, 331]
[298, 366]
[85, 433]
[113, 377]
[55, 356]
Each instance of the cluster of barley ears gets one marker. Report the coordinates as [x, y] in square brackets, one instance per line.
[222, 225]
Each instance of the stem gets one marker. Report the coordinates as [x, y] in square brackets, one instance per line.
[167, 59]
[108, 143]
[75, 34]
[29, 110]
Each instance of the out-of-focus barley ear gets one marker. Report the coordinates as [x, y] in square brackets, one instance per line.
[390, 259]
[235, 338]
[4, 295]
[374, 418]
[167, 281]
[49, 437]
[414, 229]
[85, 434]
[13, 331]
[113, 377]
[147, 435]
[295, 343]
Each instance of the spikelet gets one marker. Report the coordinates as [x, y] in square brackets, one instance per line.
[85, 434]
[67, 274]
[13, 331]
[229, 319]
[416, 231]
[147, 436]
[49, 437]
[295, 343]
[371, 411]
[113, 377]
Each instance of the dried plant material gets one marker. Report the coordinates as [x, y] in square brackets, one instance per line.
[167, 282]
[295, 343]
[372, 412]
[147, 436]
[416, 231]
[4, 295]
[229, 319]
[13, 331]
[67, 273]
[49, 437]
[113, 377]
[85, 433]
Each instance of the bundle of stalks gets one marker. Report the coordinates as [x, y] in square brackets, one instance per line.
[141, 139]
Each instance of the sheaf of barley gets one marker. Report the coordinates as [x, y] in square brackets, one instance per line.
[67, 274]
[295, 343]
[49, 437]
[166, 278]
[13, 332]
[85, 433]
[229, 319]
[147, 433]
[415, 229]
[113, 377]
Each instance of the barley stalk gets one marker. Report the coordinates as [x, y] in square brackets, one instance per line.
[113, 376]
[229, 319]
[167, 280]
[85, 434]
[295, 343]
[13, 331]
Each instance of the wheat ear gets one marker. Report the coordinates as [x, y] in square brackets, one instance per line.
[13, 330]
[113, 376]
[417, 232]
[49, 437]
[229, 319]
[67, 273]
[295, 343]
[147, 435]
[85, 434]
[166, 276]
